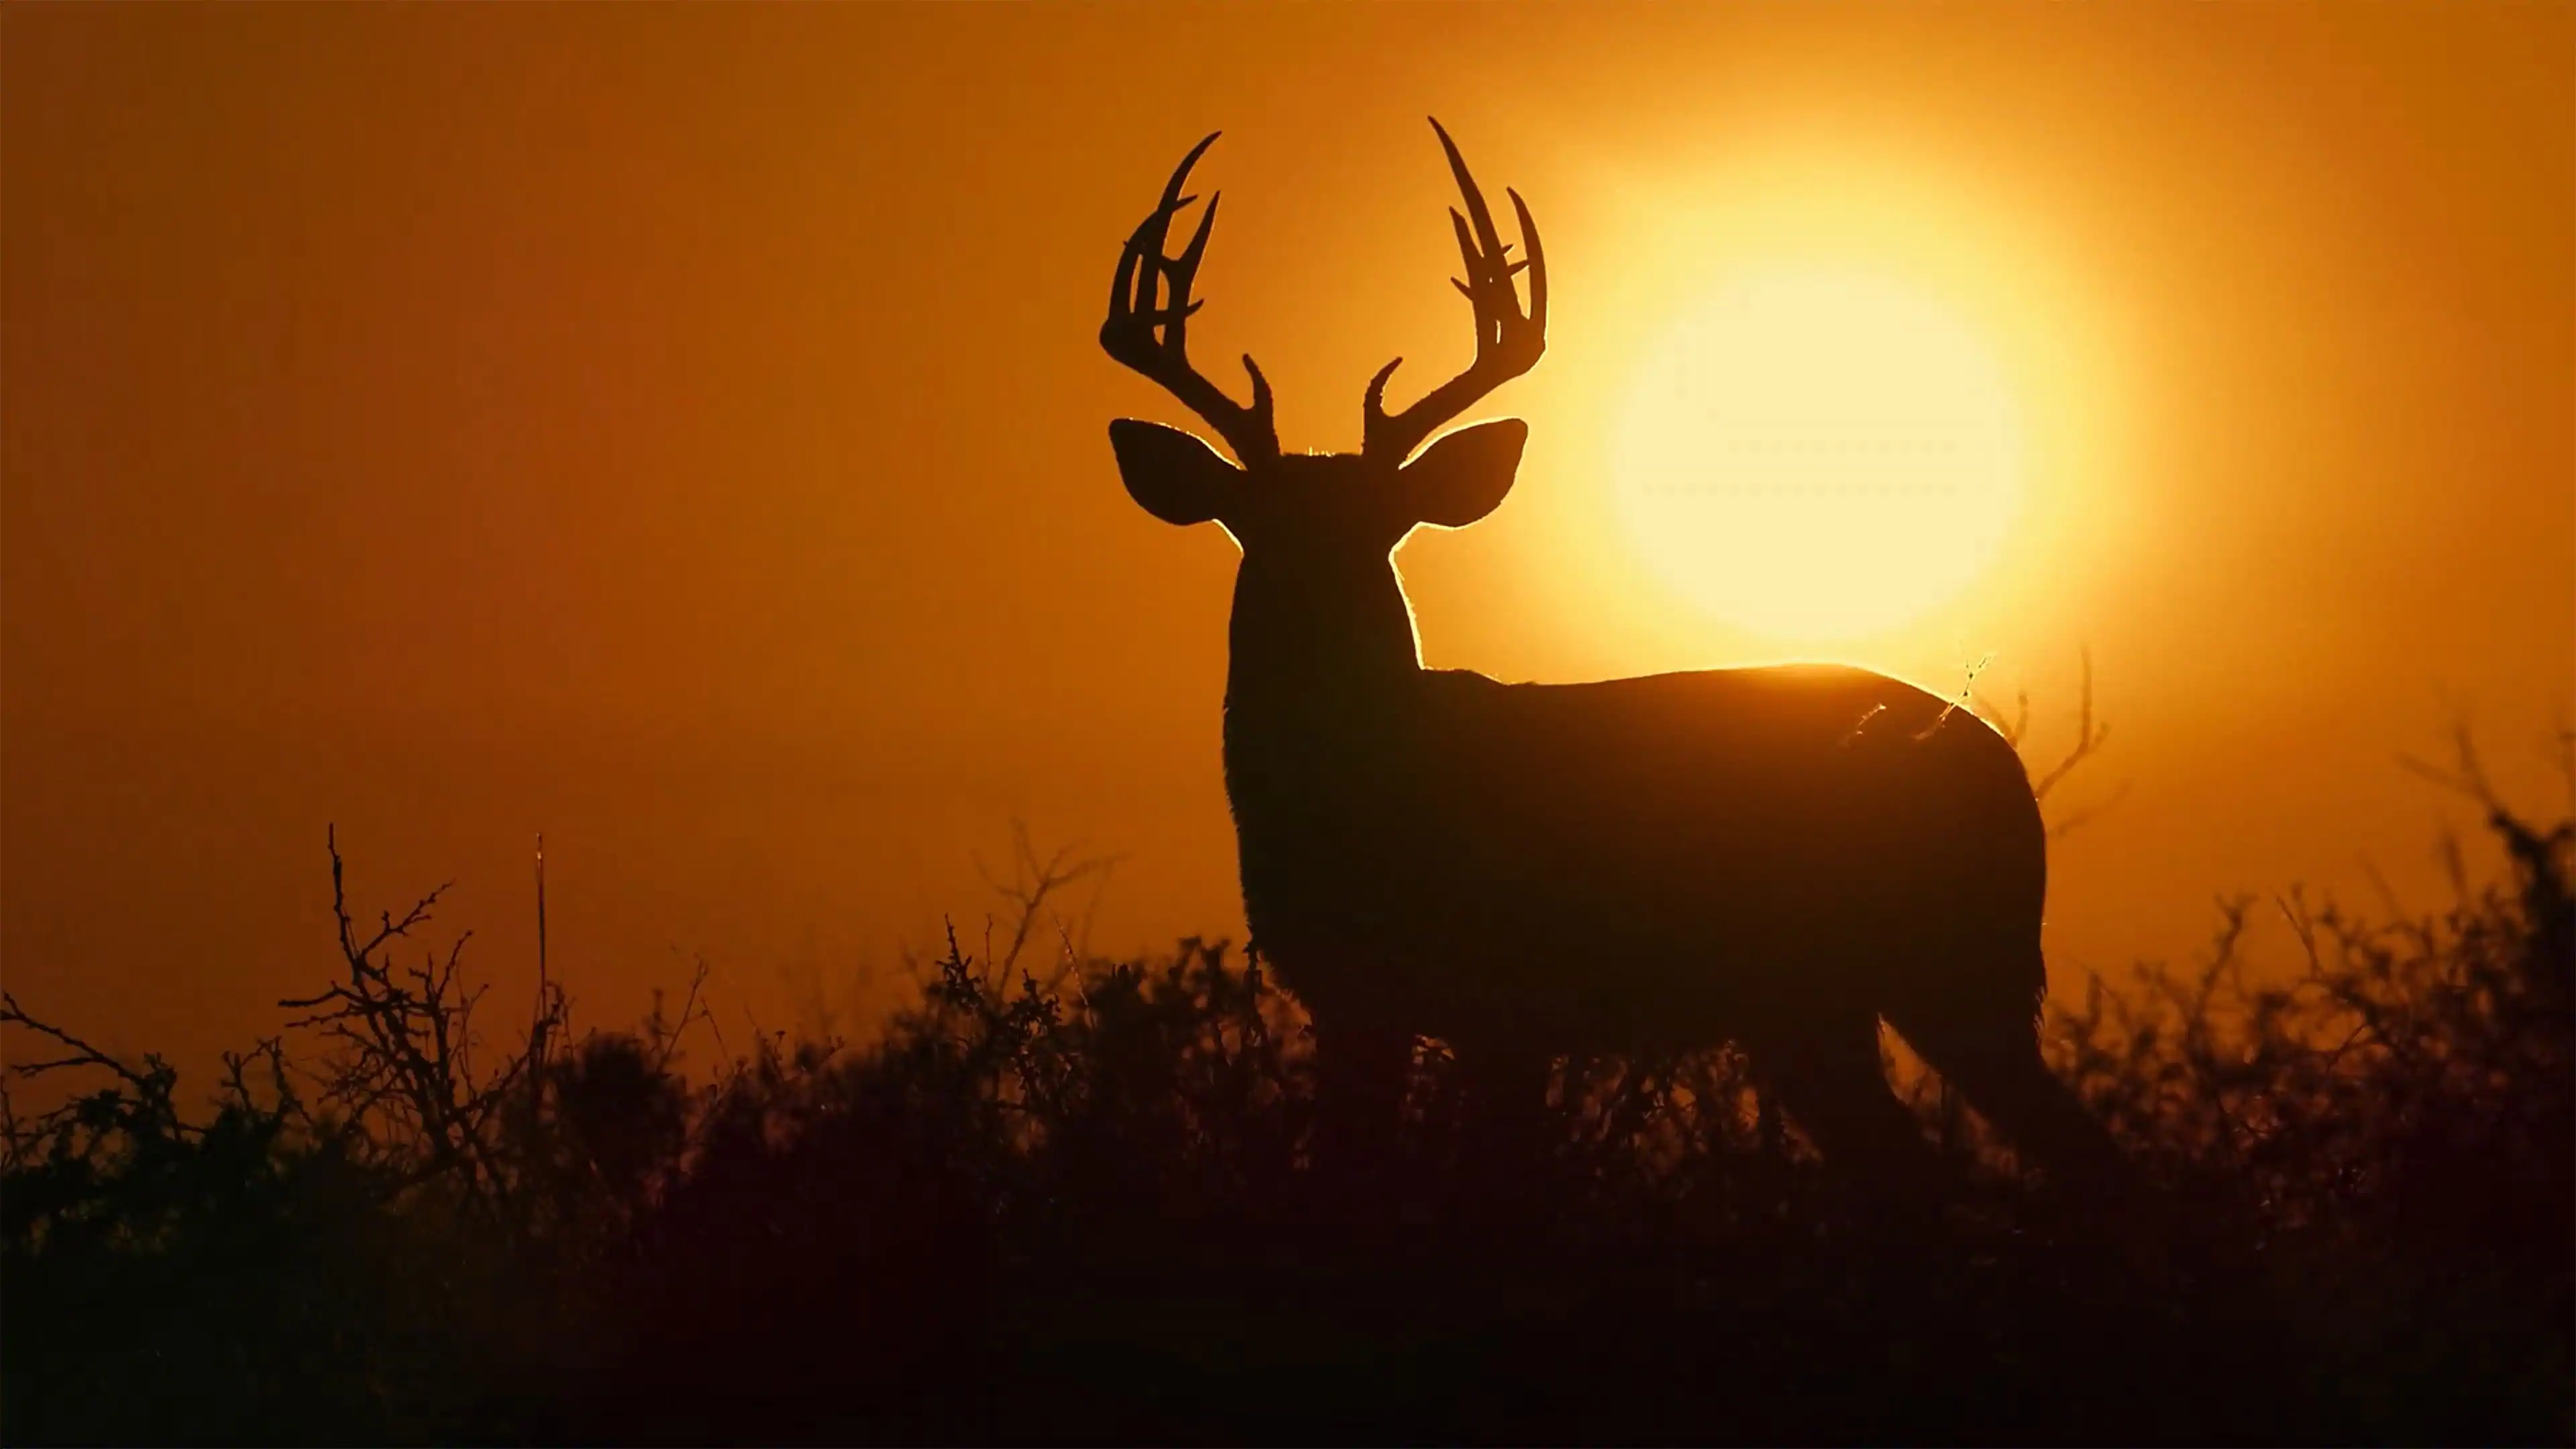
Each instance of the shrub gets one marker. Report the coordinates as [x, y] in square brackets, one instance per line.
[1083, 1207]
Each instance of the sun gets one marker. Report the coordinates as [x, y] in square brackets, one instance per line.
[1817, 456]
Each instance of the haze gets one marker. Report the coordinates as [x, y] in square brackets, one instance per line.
[682, 431]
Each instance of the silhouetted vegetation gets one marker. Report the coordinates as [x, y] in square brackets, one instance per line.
[1075, 1203]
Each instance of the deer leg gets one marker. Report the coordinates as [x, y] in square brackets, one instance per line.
[1361, 1070]
[1829, 1077]
[1993, 1059]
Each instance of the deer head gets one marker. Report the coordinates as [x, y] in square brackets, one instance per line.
[1322, 507]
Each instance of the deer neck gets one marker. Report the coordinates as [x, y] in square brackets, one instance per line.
[1318, 643]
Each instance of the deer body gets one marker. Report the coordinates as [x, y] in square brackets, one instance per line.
[1637, 865]
[1778, 857]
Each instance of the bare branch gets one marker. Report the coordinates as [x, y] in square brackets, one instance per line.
[2089, 737]
[83, 1054]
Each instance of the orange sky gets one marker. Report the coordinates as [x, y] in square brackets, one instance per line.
[681, 431]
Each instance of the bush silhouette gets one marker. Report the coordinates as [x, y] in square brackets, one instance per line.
[1084, 1206]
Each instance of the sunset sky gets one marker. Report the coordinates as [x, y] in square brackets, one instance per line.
[682, 431]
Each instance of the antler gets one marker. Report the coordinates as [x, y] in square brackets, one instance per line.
[1128, 335]
[1507, 343]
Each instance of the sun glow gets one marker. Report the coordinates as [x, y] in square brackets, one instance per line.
[1817, 456]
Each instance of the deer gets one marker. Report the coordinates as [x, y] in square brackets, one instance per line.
[1778, 858]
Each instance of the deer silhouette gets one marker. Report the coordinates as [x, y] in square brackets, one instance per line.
[1775, 857]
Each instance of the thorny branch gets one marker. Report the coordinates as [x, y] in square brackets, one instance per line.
[83, 1054]
[2090, 736]
[145, 1094]
[1034, 882]
[407, 1044]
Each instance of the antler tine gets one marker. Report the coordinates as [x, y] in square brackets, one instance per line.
[1508, 343]
[1488, 241]
[1129, 334]
[1536, 262]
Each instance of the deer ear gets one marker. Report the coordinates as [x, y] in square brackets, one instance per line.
[1171, 474]
[1463, 475]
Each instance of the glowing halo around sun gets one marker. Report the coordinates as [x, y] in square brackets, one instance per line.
[1817, 456]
